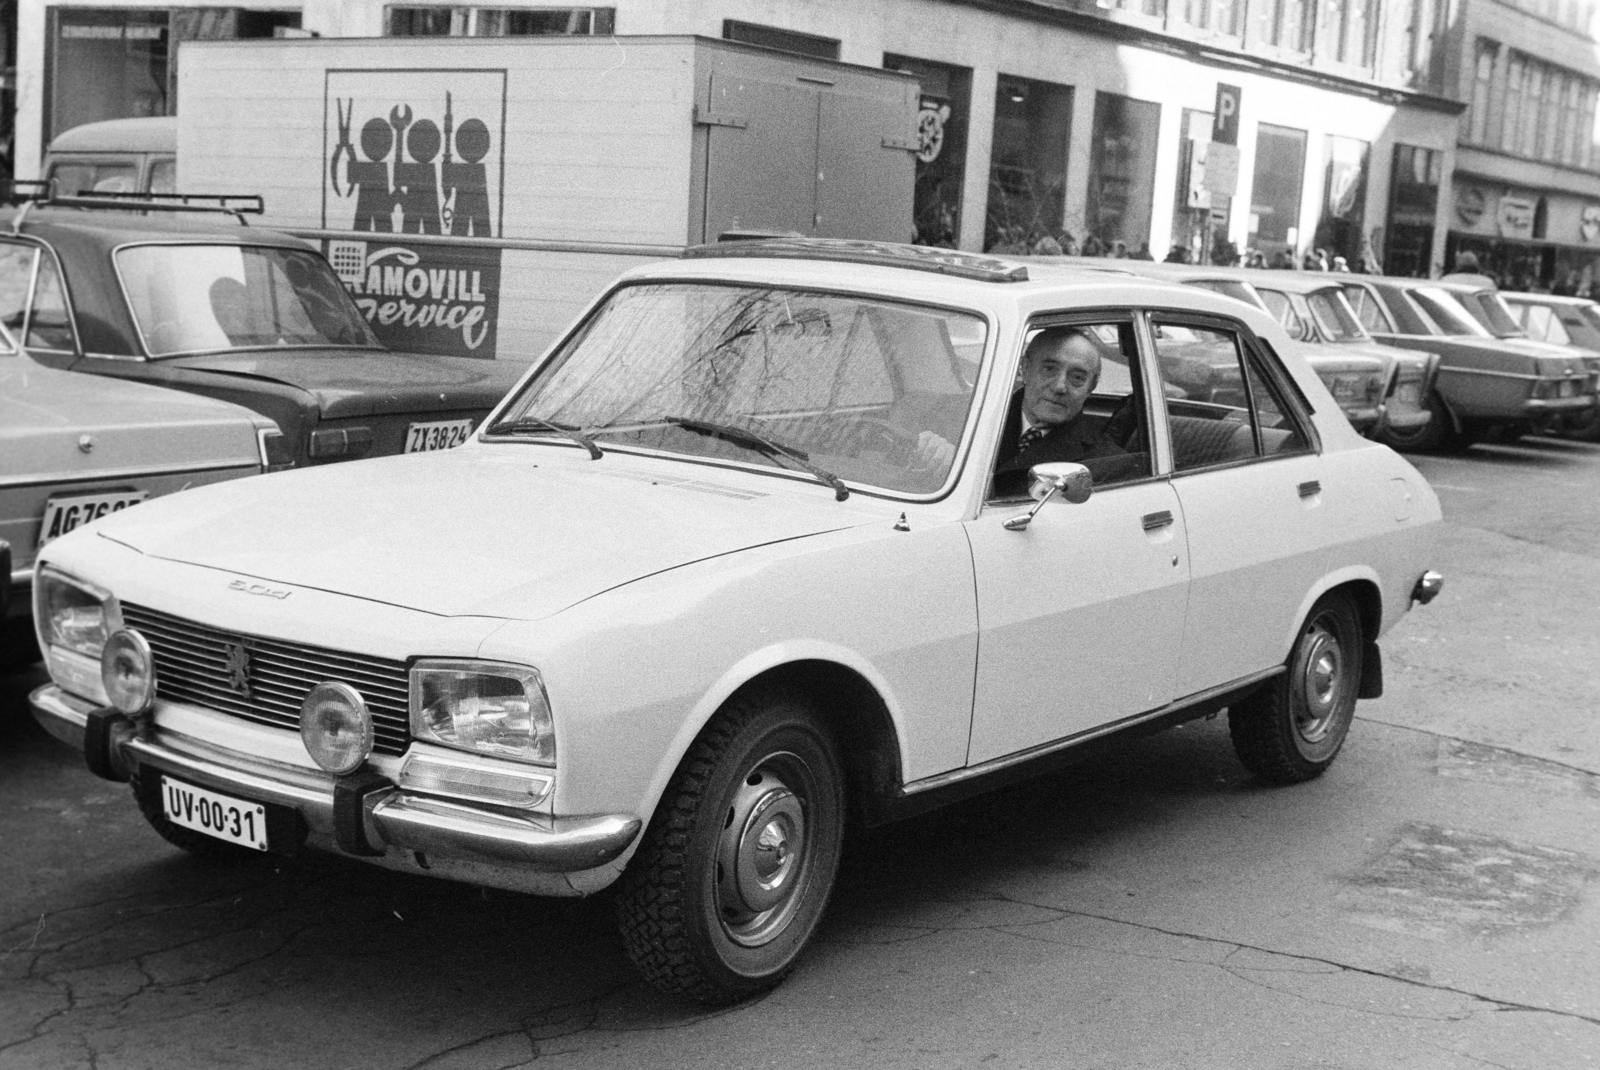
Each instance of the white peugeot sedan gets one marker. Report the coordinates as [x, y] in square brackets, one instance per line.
[731, 571]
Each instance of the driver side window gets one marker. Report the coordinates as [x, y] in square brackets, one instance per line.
[1079, 397]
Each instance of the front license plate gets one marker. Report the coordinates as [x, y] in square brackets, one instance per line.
[62, 515]
[438, 435]
[222, 816]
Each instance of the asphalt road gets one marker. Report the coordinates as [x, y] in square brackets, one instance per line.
[1430, 903]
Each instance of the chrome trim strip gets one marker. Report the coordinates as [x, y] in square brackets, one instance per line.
[1450, 369]
[956, 776]
[68, 479]
[62, 715]
[558, 845]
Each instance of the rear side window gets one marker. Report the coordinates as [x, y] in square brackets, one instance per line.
[164, 176]
[16, 277]
[1410, 320]
[49, 322]
[1367, 310]
[1283, 311]
[1222, 405]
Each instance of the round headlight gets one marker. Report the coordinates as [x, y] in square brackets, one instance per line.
[336, 727]
[128, 672]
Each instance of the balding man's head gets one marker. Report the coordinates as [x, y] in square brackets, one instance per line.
[1060, 368]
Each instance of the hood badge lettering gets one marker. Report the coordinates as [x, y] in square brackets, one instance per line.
[236, 663]
[259, 588]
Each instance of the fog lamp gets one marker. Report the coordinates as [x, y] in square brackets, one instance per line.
[336, 727]
[128, 672]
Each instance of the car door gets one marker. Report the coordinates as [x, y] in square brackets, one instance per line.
[1080, 613]
[1248, 480]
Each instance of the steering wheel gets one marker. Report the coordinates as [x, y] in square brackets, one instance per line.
[874, 434]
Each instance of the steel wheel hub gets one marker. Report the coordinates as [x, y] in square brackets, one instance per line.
[1321, 684]
[760, 858]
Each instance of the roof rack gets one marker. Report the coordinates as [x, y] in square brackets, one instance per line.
[880, 253]
[43, 194]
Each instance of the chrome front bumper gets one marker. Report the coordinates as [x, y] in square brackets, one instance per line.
[392, 818]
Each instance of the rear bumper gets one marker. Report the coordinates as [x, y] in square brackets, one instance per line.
[389, 817]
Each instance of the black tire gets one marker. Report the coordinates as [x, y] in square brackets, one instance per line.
[1437, 434]
[1291, 730]
[708, 909]
[196, 843]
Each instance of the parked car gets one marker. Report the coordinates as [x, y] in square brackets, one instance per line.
[1485, 384]
[1564, 321]
[1375, 385]
[74, 448]
[237, 313]
[1315, 311]
[736, 566]
[115, 156]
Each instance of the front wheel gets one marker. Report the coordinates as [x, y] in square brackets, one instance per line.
[737, 865]
[1291, 730]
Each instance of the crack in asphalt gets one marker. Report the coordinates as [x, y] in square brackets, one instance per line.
[1487, 746]
[1495, 1003]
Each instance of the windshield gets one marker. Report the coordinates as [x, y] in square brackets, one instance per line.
[203, 298]
[1447, 312]
[1335, 316]
[785, 378]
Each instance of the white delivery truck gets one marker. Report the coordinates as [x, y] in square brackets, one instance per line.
[474, 194]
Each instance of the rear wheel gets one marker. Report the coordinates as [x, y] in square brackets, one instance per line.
[1291, 730]
[1436, 434]
[739, 860]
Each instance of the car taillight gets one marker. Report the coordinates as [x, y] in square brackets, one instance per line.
[341, 441]
[275, 452]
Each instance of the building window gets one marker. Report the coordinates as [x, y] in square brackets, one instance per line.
[1348, 27]
[1530, 108]
[1218, 16]
[941, 157]
[805, 44]
[1413, 207]
[1028, 165]
[1284, 23]
[440, 21]
[1483, 77]
[1199, 220]
[1344, 198]
[1122, 165]
[1275, 188]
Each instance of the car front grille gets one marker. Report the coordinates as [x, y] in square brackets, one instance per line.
[204, 666]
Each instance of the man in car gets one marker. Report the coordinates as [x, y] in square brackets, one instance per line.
[1045, 423]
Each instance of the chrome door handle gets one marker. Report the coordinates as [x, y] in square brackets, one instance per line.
[1157, 521]
[1310, 488]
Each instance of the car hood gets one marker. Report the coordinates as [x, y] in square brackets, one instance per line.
[516, 533]
[46, 413]
[361, 382]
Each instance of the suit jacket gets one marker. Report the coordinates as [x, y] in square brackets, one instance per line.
[1081, 439]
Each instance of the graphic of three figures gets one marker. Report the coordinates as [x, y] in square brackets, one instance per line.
[450, 197]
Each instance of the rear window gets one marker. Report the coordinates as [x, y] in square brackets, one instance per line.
[1447, 312]
[1239, 291]
[204, 298]
[73, 178]
[1334, 315]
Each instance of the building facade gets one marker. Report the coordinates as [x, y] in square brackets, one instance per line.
[1525, 194]
[1044, 123]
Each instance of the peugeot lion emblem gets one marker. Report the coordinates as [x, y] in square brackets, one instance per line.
[236, 663]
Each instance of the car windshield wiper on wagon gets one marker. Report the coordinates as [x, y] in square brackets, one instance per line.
[539, 423]
[755, 440]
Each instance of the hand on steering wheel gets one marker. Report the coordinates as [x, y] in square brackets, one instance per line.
[902, 447]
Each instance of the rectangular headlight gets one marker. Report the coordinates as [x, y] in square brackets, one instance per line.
[483, 706]
[73, 619]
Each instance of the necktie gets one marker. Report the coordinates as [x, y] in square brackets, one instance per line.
[1029, 437]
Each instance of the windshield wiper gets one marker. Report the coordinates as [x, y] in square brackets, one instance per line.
[755, 440]
[539, 423]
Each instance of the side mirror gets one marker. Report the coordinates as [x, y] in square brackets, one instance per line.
[1072, 481]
